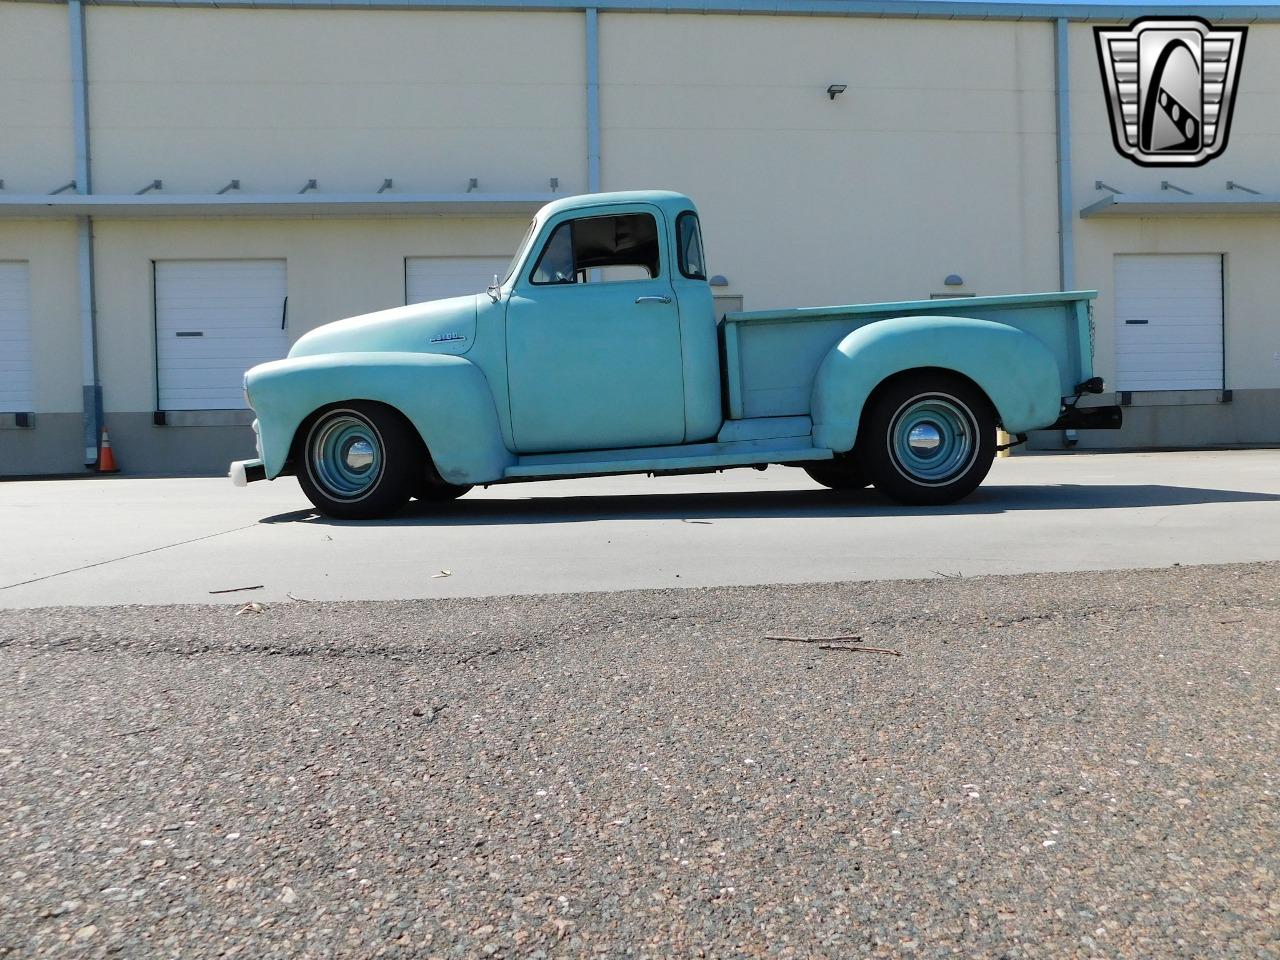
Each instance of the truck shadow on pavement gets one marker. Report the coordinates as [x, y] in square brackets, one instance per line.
[780, 504]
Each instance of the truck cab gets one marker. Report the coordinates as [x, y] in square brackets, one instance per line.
[610, 333]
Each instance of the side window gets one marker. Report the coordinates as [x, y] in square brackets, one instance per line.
[689, 246]
[556, 263]
[601, 249]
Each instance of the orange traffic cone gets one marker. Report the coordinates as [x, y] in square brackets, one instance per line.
[106, 459]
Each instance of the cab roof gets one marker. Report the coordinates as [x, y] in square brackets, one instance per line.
[668, 201]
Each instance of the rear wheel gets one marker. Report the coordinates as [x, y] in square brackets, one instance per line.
[357, 461]
[843, 472]
[928, 439]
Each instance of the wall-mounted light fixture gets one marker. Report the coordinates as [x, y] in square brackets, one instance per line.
[233, 185]
[153, 185]
[1231, 185]
[386, 185]
[719, 280]
[954, 280]
[836, 89]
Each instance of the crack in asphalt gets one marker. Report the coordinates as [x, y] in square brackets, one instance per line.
[127, 556]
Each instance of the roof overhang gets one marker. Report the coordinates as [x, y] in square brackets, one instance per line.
[1166, 204]
[305, 205]
[1103, 10]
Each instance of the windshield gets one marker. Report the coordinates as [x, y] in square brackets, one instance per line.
[511, 267]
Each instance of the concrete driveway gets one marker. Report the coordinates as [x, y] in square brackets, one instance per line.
[156, 541]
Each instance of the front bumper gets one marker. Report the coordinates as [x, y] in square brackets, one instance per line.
[245, 472]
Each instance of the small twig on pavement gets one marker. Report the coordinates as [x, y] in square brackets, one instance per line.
[299, 599]
[130, 733]
[251, 608]
[697, 521]
[949, 576]
[838, 643]
[814, 639]
[837, 646]
[256, 586]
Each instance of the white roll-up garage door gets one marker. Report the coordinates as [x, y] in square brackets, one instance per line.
[434, 278]
[1168, 321]
[16, 385]
[214, 320]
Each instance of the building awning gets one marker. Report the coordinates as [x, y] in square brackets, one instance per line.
[1166, 203]
[309, 205]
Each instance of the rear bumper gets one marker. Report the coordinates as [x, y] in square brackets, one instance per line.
[1089, 418]
[245, 472]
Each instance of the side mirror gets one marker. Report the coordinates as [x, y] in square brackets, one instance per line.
[494, 289]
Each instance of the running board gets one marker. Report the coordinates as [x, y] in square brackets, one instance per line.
[676, 459]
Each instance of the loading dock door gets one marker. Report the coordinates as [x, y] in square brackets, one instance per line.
[17, 394]
[1168, 321]
[434, 278]
[214, 320]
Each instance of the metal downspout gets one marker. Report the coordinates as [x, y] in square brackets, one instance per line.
[593, 100]
[1066, 213]
[92, 389]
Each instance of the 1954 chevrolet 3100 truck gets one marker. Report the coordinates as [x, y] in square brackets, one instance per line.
[599, 353]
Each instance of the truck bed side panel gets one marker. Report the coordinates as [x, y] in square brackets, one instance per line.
[778, 352]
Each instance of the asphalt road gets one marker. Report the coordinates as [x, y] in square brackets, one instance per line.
[115, 541]
[1076, 765]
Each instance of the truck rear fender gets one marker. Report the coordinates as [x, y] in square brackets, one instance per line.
[1014, 369]
[446, 398]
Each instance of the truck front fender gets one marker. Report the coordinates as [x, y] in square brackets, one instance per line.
[447, 399]
[1015, 370]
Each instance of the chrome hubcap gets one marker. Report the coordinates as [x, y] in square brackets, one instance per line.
[925, 439]
[358, 454]
[933, 439]
[345, 454]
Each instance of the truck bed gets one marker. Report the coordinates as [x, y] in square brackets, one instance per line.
[771, 356]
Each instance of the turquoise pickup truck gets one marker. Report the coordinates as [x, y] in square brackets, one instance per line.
[599, 353]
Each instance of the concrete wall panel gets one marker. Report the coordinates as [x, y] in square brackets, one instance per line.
[1252, 147]
[939, 158]
[49, 248]
[1250, 280]
[37, 148]
[277, 97]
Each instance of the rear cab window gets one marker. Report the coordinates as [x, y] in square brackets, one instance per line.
[689, 254]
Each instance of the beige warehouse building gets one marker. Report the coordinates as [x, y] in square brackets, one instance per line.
[187, 188]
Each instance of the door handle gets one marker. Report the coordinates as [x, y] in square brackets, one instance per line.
[653, 299]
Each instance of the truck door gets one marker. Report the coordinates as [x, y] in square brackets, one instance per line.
[593, 337]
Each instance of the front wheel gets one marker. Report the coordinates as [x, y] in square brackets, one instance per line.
[928, 439]
[357, 461]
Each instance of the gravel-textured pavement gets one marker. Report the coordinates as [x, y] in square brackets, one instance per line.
[1057, 765]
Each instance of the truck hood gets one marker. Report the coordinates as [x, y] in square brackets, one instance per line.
[437, 326]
